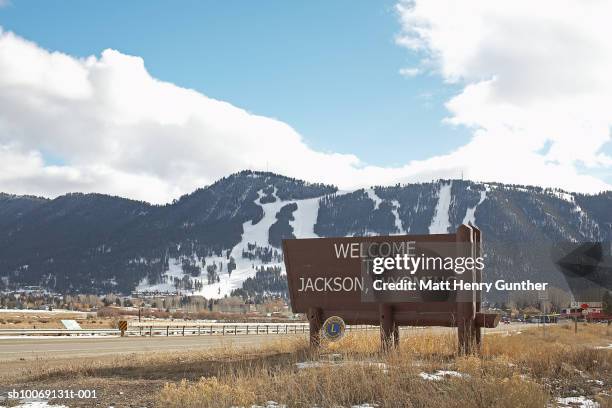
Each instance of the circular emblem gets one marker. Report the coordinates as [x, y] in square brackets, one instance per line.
[333, 328]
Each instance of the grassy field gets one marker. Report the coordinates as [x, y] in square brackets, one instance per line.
[41, 319]
[514, 370]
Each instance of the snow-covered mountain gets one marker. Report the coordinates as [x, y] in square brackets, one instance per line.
[226, 237]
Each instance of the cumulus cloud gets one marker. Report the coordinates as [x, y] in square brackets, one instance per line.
[536, 84]
[118, 130]
[121, 131]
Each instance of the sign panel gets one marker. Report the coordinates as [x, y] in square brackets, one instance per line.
[389, 280]
[123, 325]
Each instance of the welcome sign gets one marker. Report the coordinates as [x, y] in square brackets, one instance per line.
[424, 280]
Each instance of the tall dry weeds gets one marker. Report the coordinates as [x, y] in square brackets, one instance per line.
[518, 370]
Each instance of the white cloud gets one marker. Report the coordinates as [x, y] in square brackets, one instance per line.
[120, 131]
[4, 3]
[532, 73]
[123, 132]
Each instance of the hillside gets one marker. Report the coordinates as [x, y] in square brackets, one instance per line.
[221, 237]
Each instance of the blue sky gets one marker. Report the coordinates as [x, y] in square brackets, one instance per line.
[327, 68]
[511, 93]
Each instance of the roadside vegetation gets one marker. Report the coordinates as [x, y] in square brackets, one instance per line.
[515, 369]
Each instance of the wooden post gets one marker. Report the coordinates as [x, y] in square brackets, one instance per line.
[396, 336]
[167, 331]
[385, 313]
[183, 330]
[314, 325]
[466, 310]
[466, 328]
[575, 324]
[477, 247]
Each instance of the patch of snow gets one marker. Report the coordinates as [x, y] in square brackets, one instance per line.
[305, 218]
[440, 222]
[372, 196]
[398, 221]
[440, 374]
[430, 377]
[37, 404]
[577, 402]
[470, 213]
[310, 364]
[269, 404]
[326, 363]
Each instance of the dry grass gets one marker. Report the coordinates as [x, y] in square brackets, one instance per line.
[166, 365]
[517, 370]
[41, 319]
[521, 370]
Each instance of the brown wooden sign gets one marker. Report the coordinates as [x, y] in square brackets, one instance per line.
[333, 277]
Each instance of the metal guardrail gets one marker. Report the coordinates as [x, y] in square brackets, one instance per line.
[58, 332]
[217, 329]
[160, 329]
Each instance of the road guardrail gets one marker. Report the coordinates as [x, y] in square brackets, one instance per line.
[182, 329]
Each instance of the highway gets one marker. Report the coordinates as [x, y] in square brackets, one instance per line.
[69, 347]
[33, 347]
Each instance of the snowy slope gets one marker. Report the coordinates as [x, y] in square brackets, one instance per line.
[440, 222]
[372, 196]
[470, 216]
[305, 217]
[377, 200]
[398, 221]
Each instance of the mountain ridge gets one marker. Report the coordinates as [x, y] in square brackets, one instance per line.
[202, 242]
